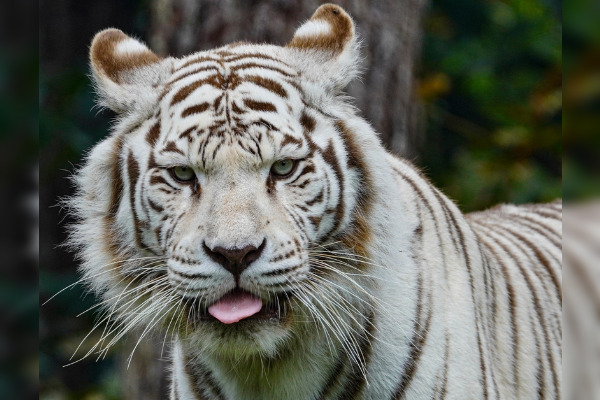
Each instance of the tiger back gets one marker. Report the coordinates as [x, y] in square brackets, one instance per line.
[243, 207]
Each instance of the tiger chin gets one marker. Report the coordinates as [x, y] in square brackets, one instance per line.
[242, 206]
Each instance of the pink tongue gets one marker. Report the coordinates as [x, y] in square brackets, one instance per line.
[235, 307]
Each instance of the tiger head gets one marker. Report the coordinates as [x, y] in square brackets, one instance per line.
[231, 202]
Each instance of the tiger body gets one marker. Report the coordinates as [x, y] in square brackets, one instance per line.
[372, 284]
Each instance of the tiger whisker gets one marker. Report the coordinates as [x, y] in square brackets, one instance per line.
[91, 277]
[155, 320]
[329, 321]
[349, 279]
[111, 299]
[339, 329]
[375, 299]
[335, 298]
[104, 318]
[128, 318]
[316, 317]
[349, 262]
[348, 257]
[179, 304]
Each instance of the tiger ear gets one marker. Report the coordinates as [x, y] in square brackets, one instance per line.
[327, 49]
[127, 75]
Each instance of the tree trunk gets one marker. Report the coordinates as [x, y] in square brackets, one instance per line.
[390, 31]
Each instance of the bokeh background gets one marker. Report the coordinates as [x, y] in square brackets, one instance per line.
[469, 90]
[18, 200]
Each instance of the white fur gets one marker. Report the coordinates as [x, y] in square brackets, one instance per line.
[234, 209]
[313, 28]
[129, 46]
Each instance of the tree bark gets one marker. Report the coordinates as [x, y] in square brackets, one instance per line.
[390, 31]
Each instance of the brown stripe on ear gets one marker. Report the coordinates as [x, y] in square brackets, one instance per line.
[106, 59]
[330, 28]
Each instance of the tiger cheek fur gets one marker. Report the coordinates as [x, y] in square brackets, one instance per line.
[242, 206]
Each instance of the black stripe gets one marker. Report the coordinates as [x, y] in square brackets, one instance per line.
[541, 260]
[267, 84]
[187, 133]
[282, 271]
[189, 276]
[260, 105]
[196, 71]
[202, 380]
[356, 380]
[153, 134]
[512, 307]
[451, 226]
[197, 109]
[417, 342]
[330, 157]
[443, 392]
[236, 57]
[133, 173]
[156, 207]
[462, 248]
[197, 60]
[334, 377]
[109, 233]
[548, 233]
[477, 310]
[192, 378]
[425, 201]
[263, 66]
[535, 295]
[537, 308]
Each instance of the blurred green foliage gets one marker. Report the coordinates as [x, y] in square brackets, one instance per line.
[581, 126]
[491, 84]
[18, 200]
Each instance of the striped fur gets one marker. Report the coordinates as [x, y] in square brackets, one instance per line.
[378, 287]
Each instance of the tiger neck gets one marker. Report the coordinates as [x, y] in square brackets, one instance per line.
[297, 374]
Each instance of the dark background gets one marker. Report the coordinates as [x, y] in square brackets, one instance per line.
[469, 90]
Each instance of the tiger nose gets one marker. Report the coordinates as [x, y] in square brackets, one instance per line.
[235, 260]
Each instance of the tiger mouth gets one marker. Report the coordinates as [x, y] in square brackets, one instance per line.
[273, 309]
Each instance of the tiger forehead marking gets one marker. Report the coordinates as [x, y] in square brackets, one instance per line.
[244, 207]
[227, 98]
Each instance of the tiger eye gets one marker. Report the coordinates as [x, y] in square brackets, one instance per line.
[283, 168]
[183, 173]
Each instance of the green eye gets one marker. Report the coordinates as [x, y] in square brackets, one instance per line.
[283, 167]
[183, 174]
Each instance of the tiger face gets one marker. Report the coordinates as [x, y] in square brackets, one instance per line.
[237, 190]
[232, 171]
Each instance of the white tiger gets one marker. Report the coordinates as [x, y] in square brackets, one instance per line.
[242, 205]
